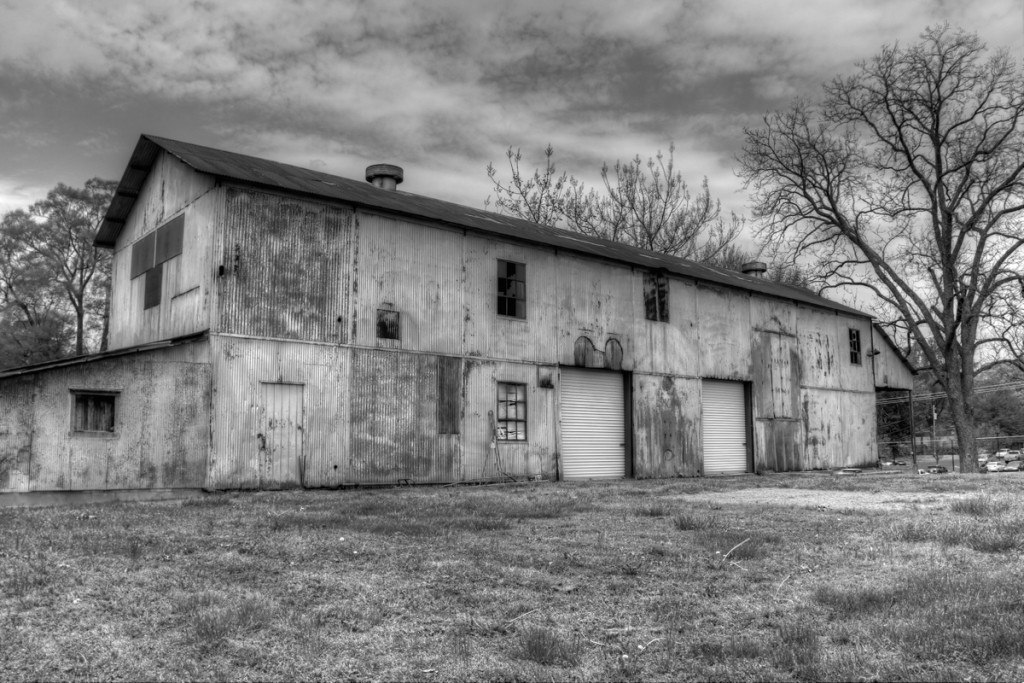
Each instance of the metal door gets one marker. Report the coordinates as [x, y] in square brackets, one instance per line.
[592, 425]
[280, 438]
[724, 427]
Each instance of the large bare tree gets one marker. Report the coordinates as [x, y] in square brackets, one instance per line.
[645, 204]
[908, 180]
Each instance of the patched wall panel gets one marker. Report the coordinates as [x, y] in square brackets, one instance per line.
[840, 429]
[666, 426]
[779, 445]
[667, 347]
[724, 332]
[285, 268]
[16, 411]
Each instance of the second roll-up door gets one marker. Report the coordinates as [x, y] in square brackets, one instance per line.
[724, 427]
[593, 425]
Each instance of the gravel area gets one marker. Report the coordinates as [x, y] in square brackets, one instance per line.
[836, 500]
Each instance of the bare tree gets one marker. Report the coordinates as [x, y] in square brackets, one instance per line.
[645, 204]
[907, 180]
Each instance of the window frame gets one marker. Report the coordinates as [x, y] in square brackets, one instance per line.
[520, 392]
[389, 321]
[656, 293]
[856, 354]
[517, 295]
[79, 395]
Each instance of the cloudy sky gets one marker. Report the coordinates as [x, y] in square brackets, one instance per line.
[440, 87]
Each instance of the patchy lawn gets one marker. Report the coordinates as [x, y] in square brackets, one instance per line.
[808, 577]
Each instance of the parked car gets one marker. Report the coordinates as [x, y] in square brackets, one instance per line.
[995, 466]
[1001, 454]
[1012, 455]
[1014, 466]
[937, 469]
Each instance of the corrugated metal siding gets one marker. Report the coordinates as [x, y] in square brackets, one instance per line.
[592, 423]
[670, 347]
[840, 429]
[666, 419]
[394, 407]
[241, 365]
[16, 408]
[286, 264]
[779, 445]
[723, 427]
[162, 423]
[419, 272]
[724, 332]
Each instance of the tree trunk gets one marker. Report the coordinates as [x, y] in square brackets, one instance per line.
[963, 422]
[80, 331]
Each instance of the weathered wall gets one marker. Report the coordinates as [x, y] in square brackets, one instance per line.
[162, 424]
[840, 429]
[666, 426]
[171, 189]
[285, 268]
[889, 369]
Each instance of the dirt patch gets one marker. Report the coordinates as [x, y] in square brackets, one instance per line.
[837, 500]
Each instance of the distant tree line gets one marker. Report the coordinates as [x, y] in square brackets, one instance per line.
[54, 284]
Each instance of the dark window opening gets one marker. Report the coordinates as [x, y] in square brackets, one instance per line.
[449, 395]
[94, 412]
[154, 279]
[511, 289]
[511, 411]
[855, 346]
[388, 324]
[150, 253]
[656, 297]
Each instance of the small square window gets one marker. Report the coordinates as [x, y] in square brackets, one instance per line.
[388, 324]
[511, 289]
[656, 297]
[511, 418]
[855, 346]
[94, 413]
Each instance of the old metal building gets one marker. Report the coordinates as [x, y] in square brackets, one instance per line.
[274, 326]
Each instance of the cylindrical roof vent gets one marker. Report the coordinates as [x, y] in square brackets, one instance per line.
[755, 268]
[384, 176]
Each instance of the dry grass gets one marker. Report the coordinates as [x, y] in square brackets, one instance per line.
[640, 580]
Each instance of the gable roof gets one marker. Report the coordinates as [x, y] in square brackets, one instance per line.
[278, 176]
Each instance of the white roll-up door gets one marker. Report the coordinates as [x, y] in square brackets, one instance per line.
[592, 425]
[724, 427]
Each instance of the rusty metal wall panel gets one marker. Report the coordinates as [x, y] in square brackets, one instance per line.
[890, 371]
[775, 369]
[16, 410]
[821, 350]
[535, 338]
[598, 301]
[854, 377]
[666, 424]
[241, 365]
[417, 271]
[840, 428]
[162, 424]
[779, 445]
[286, 264]
[394, 407]
[536, 456]
[724, 331]
[670, 347]
[185, 287]
[773, 315]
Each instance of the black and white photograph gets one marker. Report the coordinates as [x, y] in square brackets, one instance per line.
[465, 340]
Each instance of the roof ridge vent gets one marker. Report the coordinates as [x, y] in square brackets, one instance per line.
[384, 176]
[754, 268]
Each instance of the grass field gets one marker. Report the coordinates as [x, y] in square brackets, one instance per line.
[781, 577]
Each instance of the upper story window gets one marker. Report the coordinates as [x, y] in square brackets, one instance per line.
[150, 253]
[388, 324]
[511, 289]
[855, 346]
[656, 297]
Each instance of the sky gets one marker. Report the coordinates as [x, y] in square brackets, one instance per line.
[439, 87]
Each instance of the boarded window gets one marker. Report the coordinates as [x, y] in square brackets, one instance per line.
[94, 412]
[656, 297]
[388, 324]
[855, 346]
[511, 411]
[154, 279]
[511, 289]
[143, 253]
[169, 239]
[449, 395]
